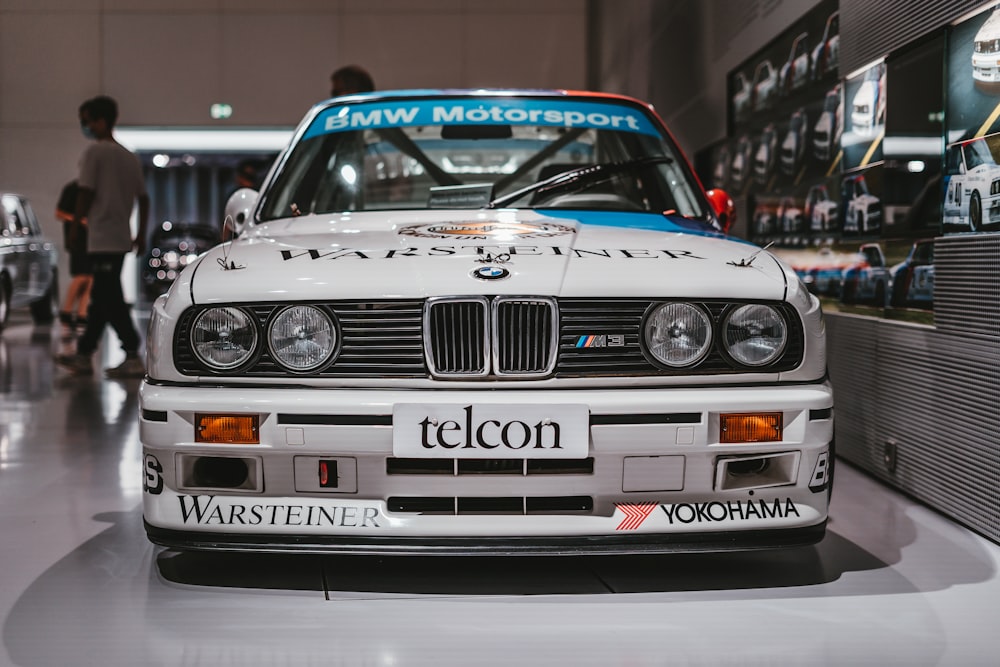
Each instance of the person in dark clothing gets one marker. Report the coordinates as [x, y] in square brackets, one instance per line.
[110, 183]
[73, 313]
[350, 79]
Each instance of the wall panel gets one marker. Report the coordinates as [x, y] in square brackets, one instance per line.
[967, 283]
[870, 30]
[933, 391]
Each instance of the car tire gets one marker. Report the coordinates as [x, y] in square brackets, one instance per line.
[975, 212]
[43, 311]
[880, 295]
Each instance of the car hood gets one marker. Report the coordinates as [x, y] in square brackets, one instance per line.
[418, 254]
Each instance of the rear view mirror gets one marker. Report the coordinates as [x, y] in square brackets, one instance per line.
[476, 132]
[723, 207]
[239, 208]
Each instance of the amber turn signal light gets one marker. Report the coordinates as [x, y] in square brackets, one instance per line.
[227, 429]
[750, 427]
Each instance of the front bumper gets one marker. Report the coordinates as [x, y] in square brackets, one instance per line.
[655, 477]
[595, 545]
[986, 67]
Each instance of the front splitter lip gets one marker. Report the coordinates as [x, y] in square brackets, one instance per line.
[599, 545]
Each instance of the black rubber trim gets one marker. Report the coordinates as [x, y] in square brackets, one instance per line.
[818, 415]
[207, 382]
[335, 420]
[386, 420]
[154, 415]
[677, 418]
[492, 546]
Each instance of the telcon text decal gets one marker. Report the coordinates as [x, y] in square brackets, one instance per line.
[491, 111]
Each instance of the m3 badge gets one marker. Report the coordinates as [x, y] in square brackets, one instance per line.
[601, 340]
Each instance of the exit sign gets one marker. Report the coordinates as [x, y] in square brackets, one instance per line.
[220, 111]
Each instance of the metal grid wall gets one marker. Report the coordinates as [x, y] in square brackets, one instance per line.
[967, 284]
[935, 393]
[870, 30]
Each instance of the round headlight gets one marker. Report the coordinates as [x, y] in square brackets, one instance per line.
[223, 338]
[755, 335]
[678, 334]
[302, 338]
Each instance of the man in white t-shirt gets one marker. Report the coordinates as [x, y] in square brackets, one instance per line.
[110, 183]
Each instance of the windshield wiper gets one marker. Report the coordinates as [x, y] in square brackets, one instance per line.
[578, 178]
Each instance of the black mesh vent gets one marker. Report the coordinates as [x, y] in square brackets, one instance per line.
[492, 505]
[456, 337]
[524, 330]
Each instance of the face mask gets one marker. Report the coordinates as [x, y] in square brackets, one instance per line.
[87, 132]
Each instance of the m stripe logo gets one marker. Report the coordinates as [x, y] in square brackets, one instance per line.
[635, 514]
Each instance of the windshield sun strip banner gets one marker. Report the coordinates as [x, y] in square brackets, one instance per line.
[478, 111]
[656, 222]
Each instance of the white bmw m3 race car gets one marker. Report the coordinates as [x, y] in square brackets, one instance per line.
[485, 322]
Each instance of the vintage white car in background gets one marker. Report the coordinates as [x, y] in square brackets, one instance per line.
[986, 52]
[795, 72]
[972, 185]
[828, 129]
[821, 210]
[28, 263]
[765, 86]
[485, 322]
[864, 210]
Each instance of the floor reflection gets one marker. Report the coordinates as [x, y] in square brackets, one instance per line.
[892, 583]
[26, 366]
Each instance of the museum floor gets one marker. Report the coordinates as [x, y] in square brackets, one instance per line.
[893, 583]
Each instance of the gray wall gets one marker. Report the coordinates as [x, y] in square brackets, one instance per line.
[932, 393]
[678, 53]
[917, 406]
[167, 61]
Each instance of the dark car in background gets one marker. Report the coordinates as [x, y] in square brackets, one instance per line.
[28, 263]
[173, 246]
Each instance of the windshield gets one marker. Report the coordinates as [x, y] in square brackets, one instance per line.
[977, 153]
[466, 152]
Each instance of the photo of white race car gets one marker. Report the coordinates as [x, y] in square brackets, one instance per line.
[504, 322]
[972, 190]
[985, 52]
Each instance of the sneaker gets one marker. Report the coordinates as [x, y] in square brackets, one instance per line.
[77, 364]
[130, 368]
[68, 325]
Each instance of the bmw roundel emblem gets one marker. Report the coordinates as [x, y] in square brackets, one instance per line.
[490, 273]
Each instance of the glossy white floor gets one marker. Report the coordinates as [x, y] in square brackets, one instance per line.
[893, 583]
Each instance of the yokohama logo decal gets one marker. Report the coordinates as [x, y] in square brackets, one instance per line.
[634, 515]
[710, 512]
